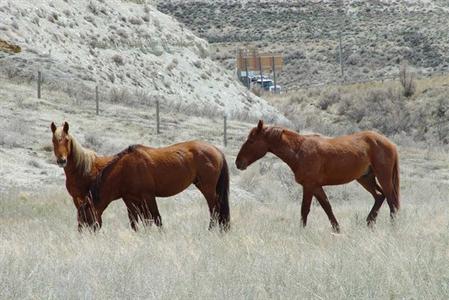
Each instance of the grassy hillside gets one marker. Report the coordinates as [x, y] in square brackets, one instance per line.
[340, 109]
[376, 35]
[266, 254]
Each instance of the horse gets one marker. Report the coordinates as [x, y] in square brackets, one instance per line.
[81, 166]
[139, 174]
[318, 161]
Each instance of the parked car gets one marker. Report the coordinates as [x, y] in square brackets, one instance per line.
[267, 84]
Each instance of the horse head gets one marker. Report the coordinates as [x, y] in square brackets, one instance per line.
[254, 148]
[61, 143]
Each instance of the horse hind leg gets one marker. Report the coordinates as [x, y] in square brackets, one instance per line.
[368, 181]
[384, 176]
[209, 192]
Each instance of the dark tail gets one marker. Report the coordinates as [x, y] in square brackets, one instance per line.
[395, 178]
[222, 189]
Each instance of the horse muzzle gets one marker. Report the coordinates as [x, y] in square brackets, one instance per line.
[241, 165]
[62, 162]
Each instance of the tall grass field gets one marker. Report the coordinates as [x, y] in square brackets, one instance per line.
[266, 254]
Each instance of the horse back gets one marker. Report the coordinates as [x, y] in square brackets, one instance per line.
[341, 159]
[169, 170]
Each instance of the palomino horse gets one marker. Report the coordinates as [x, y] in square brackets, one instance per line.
[81, 165]
[318, 161]
[139, 174]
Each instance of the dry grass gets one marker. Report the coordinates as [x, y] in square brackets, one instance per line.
[265, 255]
[383, 106]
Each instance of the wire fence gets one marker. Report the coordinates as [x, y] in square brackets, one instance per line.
[95, 93]
[297, 87]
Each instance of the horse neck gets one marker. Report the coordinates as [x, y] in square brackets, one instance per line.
[286, 146]
[74, 166]
[107, 187]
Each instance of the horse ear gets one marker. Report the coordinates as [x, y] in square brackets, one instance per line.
[66, 127]
[53, 127]
[260, 125]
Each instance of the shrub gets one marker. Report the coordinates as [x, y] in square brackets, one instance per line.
[11, 71]
[93, 8]
[93, 140]
[172, 65]
[197, 64]
[381, 109]
[256, 91]
[120, 95]
[329, 99]
[118, 59]
[135, 21]
[407, 79]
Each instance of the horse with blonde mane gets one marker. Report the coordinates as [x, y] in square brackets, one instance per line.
[319, 161]
[139, 174]
[81, 165]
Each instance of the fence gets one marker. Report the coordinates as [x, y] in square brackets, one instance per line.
[298, 87]
[157, 108]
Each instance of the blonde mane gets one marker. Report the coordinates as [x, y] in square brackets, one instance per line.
[82, 157]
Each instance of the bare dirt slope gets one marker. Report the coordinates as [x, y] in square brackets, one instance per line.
[131, 48]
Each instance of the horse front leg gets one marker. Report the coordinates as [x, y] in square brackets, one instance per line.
[324, 202]
[307, 196]
[133, 212]
[152, 209]
[87, 216]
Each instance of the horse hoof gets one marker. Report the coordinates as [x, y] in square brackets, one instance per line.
[335, 228]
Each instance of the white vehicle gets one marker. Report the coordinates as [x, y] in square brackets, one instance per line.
[276, 89]
[268, 85]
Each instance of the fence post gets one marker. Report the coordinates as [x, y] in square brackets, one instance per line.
[246, 71]
[182, 35]
[341, 58]
[39, 81]
[225, 135]
[274, 74]
[157, 118]
[97, 101]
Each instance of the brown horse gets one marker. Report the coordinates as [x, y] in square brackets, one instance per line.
[140, 174]
[81, 166]
[319, 161]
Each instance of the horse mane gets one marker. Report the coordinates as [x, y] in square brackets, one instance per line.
[274, 133]
[94, 189]
[83, 158]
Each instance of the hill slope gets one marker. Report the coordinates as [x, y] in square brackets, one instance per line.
[376, 34]
[129, 50]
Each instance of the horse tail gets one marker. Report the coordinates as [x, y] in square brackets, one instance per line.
[395, 179]
[222, 190]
